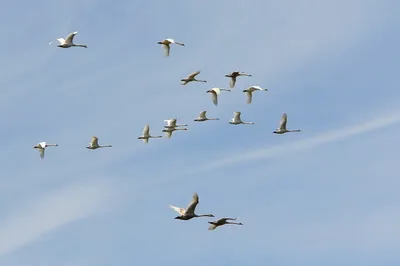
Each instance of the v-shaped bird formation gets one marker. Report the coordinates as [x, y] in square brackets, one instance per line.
[172, 125]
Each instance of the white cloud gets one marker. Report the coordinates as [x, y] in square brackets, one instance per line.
[308, 143]
[49, 212]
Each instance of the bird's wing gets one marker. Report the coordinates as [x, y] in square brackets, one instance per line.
[185, 82]
[145, 140]
[41, 150]
[212, 227]
[61, 40]
[94, 141]
[214, 97]
[236, 116]
[202, 114]
[181, 211]
[146, 130]
[191, 76]
[283, 121]
[232, 82]
[172, 122]
[70, 37]
[168, 134]
[170, 40]
[166, 49]
[192, 205]
[249, 97]
[42, 144]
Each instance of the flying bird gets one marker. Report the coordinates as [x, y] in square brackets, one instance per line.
[192, 77]
[282, 126]
[146, 134]
[236, 120]
[189, 212]
[221, 222]
[233, 77]
[171, 123]
[202, 117]
[168, 131]
[249, 92]
[94, 144]
[68, 42]
[214, 94]
[42, 146]
[166, 42]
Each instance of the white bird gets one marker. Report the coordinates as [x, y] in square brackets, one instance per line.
[171, 123]
[249, 92]
[221, 222]
[42, 146]
[282, 126]
[202, 117]
[214, 94]
[94, 144]
[236, 120]
[233, 77]
[146, 134]
[192, 77]
[68, 42]
[188, 213]
[166, 42]
[168, 131]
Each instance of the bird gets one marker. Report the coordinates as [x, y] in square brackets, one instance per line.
[282, 126]
[202, 117]
[188, 213]
[146, 134]
[236, 120]
[168, 131]
[233, 77]
[68, 42]
[171, 123]
[166, 42]
[214, 94]
[94, 144]
[41, 146]
[192, 77]
[221, 222]
[250, 90]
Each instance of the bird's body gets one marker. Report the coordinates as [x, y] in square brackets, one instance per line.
[202, 117]
[222, 221]
[282, 126]
[41, 146]
[189, 212]
[233, 77]
[249, 92]
[168, 131]
[236, 120]
[171, 123]
[214, 94]
[94, 144]
[166, 45]
[146, 134]
[68, 42]
[192, 77]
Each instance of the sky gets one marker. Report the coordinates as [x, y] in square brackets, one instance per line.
[325, 196]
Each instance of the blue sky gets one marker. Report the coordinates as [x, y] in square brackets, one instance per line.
[326, 196]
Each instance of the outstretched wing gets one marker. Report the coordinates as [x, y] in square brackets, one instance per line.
[61, 40]
[236, 116]
[41, 150]
[283, 121]
[212, 227]
[202, 114]
[192, 205]
[249, 97]
[168, 133]
[94, 142]
[181, 211]
[193, 75]
[214, 97]
[146, 130]
[166, 49]
[232, 82]
[70, 37]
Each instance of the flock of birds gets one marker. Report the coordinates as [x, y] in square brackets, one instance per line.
[171, 125]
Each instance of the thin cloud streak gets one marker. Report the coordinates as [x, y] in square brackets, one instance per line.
[50, 212]
[316, 140]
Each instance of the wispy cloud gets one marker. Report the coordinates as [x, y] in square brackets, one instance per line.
[51, 211]
[308, 143]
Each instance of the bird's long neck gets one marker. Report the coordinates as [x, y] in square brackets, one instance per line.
[213, 118]
[104, 146]
[249, 123]
[154, 137]
[204, 215]
[180, 129]
[234, 223]
[294, 130]
[198, 80]
[51, 145]
[80, 45]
